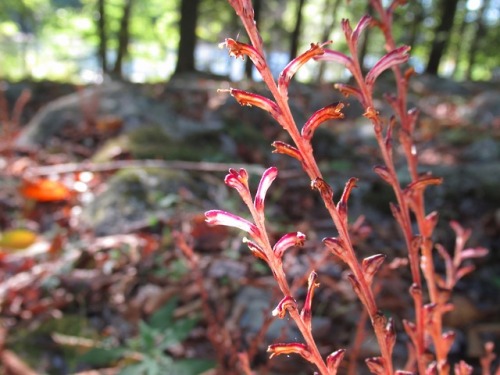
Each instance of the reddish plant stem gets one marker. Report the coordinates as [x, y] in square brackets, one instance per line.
[418, 205]
[310, 166]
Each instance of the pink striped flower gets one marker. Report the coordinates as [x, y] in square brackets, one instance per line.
[287, 241]
[395, 57]
[267, 179]
[219, 217]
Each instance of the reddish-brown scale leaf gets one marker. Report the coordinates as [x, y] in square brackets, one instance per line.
[384, 173]
[337, 247]
[376, 365]
[447, 340]
[390, 335]
[371, 265]
[333, 360]
[422, 183]
[462, 368]
[431, 221]
[351, 184]
[477, 252]
[306, 310]
[256, 249]
[325, 190]
[465, 271]
[410, 329]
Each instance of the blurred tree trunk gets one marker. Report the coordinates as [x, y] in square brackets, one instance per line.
[103, 38]
[257, 7]
[294, 41]
[187, 40]
[416, 23]
[123, 39]
[441, 35]
[458, 48]
[478, 34]
[329, 17]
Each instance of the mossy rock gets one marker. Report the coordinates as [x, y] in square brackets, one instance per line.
[152, 142]
[35, 343]
[136, 197]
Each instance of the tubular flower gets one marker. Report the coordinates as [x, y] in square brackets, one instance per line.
[255, 249]
[218, 217]
[240, 50]
[363, 23]
[250, 99]
[267, 179]
[286, 149]
[338, 57]
[285, 304]
[294, 65]
[395, 57]
[289, 348]
[287, 241]
[330, 112]
[238, 180]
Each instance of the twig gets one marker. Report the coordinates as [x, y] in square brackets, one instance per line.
[124, 164]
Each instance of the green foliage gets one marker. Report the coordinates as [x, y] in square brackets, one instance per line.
[149, 350]
[35, 34]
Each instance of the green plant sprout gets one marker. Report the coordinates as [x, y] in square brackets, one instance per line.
[148, 352]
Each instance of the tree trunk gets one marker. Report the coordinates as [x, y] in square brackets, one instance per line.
[123, 39]
[458, 48]
[479, 33]
[187, 40]
[441, 35]
[103, 38]
[329, 17]
[415, 26]
[257, 6]
[294, 42]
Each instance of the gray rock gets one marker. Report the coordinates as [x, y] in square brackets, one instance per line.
[483, 110]
[135, 197]
[254, 303]
[482, 150]
[124, 101]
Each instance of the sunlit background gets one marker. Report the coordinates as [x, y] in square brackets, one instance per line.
[58, 39]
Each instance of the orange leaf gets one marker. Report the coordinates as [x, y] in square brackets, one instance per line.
[44, 190]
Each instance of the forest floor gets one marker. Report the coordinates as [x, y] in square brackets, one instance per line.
[106, 261]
